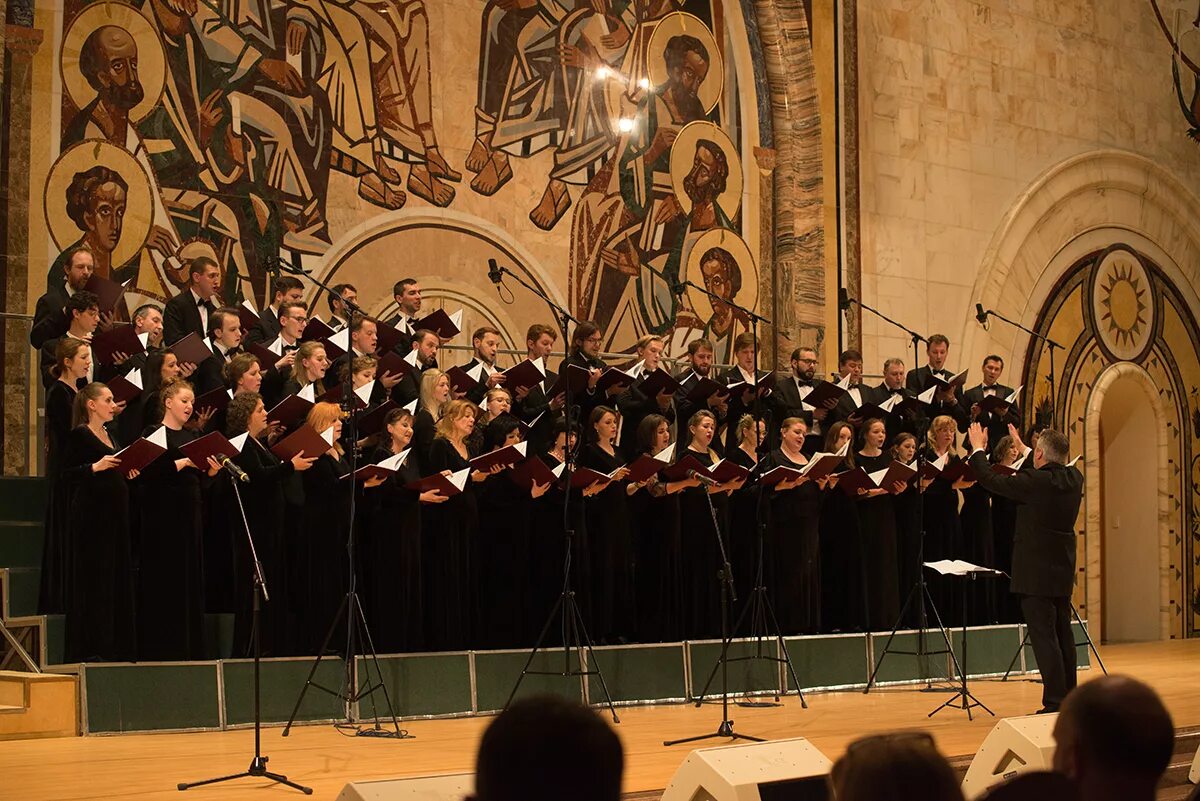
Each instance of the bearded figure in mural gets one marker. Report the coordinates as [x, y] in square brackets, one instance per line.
[375, 70]
[629, 215]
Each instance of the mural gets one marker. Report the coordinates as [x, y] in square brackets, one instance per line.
[598, 145]
[1117, 305]
[1180, 23]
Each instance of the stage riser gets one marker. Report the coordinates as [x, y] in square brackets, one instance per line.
[126, 698]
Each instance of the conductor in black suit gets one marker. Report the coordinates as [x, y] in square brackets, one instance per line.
[188, 312]
[1043, 564]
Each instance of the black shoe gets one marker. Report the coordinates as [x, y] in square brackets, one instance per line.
[1047, 710]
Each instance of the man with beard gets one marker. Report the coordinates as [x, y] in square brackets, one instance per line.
[704, 184]
[700, 362]
[50, 320]
[108, 60]
[788, 399]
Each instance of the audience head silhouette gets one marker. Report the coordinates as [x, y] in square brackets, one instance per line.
[894, 767]
[1114, 737]
[546, 748]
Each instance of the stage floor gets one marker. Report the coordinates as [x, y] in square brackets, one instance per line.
[149, 766]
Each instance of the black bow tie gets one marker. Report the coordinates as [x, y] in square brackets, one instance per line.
[201, 303]
[289, 348]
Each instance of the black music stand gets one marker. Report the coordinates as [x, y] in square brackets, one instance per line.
[962, 698]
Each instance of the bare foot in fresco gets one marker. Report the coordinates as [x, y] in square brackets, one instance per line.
[439, 167]
[428, 187]
[494, 175]
[386, 171]
[553, 205]
[481, 152]
[373, 189]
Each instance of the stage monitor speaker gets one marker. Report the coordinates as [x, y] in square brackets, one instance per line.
[454, 787]
[780, 770]
[1014, 745]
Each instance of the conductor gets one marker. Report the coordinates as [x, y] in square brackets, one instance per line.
[1043, 564]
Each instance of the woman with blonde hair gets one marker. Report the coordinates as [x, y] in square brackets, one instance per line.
[435, 393]
[309, 368]
[170, 575]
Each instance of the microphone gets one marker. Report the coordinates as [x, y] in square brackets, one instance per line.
[981, 315]
[232, 468]
[495, 272]
[703, 479]
[844, 299]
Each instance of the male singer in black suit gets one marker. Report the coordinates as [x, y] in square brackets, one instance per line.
[634, 404]
[486, 341]
[996, 422]
[787, 400]
[742, 402]
[533, 404]
[225, 339]
[700, 358]
[83, 310]
[425, 343]
[339, 313]
[407, 294]
[850, 363]
[947, 402]
[364, 339]
[188, 312]
[892, 386]
[286, 289]
[1043, 565]
[50, 320]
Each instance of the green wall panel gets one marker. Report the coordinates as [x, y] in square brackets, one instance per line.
[124, 697]
[496, 673]
[420, 684]
[907, 667]
[639, 673]
[745, 675]
[989, 650]
[834, 661]
[282, 681]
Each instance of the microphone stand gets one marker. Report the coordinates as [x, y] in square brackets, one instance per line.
[1051, 345]
[258, 765]
[763, 622]
[357, 631]
[920, 589]
[566, 609]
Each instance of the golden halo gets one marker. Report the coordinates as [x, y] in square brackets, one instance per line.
[152, 62]
[674, 24]
[746, 296]
[139, 200]
[683, 153]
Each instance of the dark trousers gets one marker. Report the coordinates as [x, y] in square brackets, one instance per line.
[1053, 641]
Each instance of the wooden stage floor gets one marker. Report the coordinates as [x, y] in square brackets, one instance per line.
[146, 767]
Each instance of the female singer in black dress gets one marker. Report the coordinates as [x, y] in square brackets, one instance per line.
[606, 516]
[877, 524]
[451, 587]
[843, 604]
[324, 531]
[497, 402]
[309, 368]
[943, 531]
[654, 515]
[72, 360]
[502, 548]
[101, 624]
[1004, 527]
[170, 597]
[435, 393]
[908, 530]
[547, 538]
[161, 368]
[979, 547]
[392, 581]
[743, 505]
[701, 555]
[263, 500]
[793, 566]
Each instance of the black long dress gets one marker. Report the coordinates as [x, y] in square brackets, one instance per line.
[450, 529]
[263, 499]
[391, 565]
[793, 565]
[743, 529]
[1004, 527]
[424, 431]
[170, 597]
[53, 593]
[701, 556]
[907, 506]
[880, 565]
[607, 519]
[943, 540]
[502, 553]
[325, 559]
[979, 547]
[654, 516]
[842, 603]
[101, 624]
[547, 545]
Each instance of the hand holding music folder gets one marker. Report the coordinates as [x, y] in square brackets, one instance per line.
[317, 329]
[704, 389]
[682, 467]
[126, 387]
[292, 409]
[852, 480]
[383, 469]
[395, 364]
[992, 404]
[213, 445]
[723, 471]
[646, 466]
[449, 486]
[247, 316]
[956, 381]
[372, 422]
[526, 375]
[267, 354]
[122, 338]
[304, 441]
[960, 470]
[614, 377]
[387, 337]
[142, 451]
[657, 382]
[822, 464]
[500, 457]
[827, 391]
[778, 475]
[574, 375]
[192, 349]
[216, 399]
[584, 477]
[895, 473]
[462, 381]
[446, 326]
[534, 471]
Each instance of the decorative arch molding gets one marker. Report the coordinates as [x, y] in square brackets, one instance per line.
[1093, 492]
[1056, 219]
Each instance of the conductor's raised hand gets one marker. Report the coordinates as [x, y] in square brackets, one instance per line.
[977, 436]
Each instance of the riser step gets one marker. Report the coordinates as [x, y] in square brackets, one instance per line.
[49, 703]
[21, 543]
[19, 591]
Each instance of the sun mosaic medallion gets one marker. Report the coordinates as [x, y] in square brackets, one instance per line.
[1123, 305]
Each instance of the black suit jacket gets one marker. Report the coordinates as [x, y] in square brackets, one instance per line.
[897, 423]
[921, 379]
[536, 406]
[49, 319]
[267, 330]
[182, 317]
[635, 406]
[1048, 500]
[584, 402]
[406, 339]
[738, 407]
[210, 373]
[996, 424]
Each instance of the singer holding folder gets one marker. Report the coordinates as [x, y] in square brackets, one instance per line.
[877, 523]
[100, 605]
[170, 598]
[606, 516]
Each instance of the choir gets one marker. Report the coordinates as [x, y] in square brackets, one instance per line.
[811, 483]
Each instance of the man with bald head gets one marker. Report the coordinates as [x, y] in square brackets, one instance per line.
[108, 60]
[1114, 738]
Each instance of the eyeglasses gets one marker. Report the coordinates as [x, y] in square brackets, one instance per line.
[595, 338]
[298, 319]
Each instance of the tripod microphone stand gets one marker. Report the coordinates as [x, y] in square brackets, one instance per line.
[566, 610]
[358, 633]
[919, 592]
[982, 315]
[763, 622]
[258, 765]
